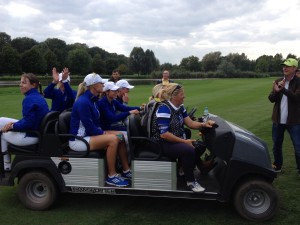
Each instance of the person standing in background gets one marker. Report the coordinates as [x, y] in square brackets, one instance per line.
[285, 95]
[165, 78]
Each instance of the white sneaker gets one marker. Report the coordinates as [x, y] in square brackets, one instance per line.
[7, 166]
[195, 187]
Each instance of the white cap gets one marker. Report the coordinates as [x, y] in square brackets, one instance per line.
[92, 78]
[110, 86]
[60, 78]
[124, 84]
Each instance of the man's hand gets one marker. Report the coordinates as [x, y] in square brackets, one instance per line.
[55, 75]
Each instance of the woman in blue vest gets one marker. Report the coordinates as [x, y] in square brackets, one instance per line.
[168, 129]
[63, 96]
[34, 108]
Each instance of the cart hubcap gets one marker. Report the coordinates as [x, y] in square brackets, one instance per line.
[257, 201]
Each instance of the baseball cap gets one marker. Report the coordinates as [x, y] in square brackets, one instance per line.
[60, 78]
[92, 78]
[290, 62]
[124, 84]
[110, 86]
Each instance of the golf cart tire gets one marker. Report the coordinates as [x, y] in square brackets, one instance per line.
[37, 191]
[256, 200]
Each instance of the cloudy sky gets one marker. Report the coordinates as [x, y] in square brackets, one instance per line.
[172, 29]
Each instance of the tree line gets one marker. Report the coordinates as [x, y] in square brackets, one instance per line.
[24, 54]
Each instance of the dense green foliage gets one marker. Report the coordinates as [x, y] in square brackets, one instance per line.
[24, 54]
[242, 101]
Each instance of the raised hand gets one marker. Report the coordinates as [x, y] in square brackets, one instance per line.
[55, 75]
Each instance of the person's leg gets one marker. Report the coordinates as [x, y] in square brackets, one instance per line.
[111, 142]
[294, 132]
[187, 155]
[278, 137]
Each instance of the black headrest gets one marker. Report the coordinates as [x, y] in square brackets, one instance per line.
[52, 115]
[64, 122]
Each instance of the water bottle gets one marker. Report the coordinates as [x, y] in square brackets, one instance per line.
[205, 114]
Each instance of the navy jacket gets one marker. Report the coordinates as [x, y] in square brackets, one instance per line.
[60, 100]
[34, 108]
[85, 116]
[113, 114]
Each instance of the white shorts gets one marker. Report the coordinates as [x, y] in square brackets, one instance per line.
[79, 145]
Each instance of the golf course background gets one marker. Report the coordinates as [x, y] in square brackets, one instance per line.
[241, 101]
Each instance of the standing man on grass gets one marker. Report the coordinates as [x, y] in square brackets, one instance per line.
[286, 112]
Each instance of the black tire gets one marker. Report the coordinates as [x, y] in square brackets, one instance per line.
[37, 191]
[256, 200]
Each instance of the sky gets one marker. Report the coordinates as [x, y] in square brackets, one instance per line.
[173, 30]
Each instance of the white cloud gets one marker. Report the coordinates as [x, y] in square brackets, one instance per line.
[171, 29]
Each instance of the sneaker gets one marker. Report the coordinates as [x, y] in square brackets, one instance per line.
[127, 175]
[7, 166]
[276, 168]
[195, 187]
[117, 181]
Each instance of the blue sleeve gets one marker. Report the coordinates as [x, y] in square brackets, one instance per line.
[28, 112]
[163, 115]
[109, 114]
[86, 118]
[49, 91]
[123, 108]
[71, 94]
[184, 112]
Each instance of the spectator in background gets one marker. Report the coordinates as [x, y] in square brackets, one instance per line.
[63, 96]
[34, 109]
[285, 95]
[165, 78]
[115, 76]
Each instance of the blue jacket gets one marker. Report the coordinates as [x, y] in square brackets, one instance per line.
[34, 108]
[113, 114]
[85, 116]
[60, 100]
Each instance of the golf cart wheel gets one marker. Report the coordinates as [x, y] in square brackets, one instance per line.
[256, 200]
[37, 191]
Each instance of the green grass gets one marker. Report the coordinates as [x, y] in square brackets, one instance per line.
[241, 101]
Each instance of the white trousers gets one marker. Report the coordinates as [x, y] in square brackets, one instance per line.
[16, 138]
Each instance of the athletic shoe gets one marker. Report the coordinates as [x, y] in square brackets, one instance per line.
[127, 175]
[276, 168]
[117, 181]
[7, 166]
[195, 187]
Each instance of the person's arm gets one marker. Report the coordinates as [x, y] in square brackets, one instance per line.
[109, 114]
[71, 94]
[123, 108]
[293, 94]
[85, 116]
[26, 123]
[49, 91]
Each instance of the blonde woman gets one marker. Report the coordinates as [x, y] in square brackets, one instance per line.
[168, 128]
[85, 123]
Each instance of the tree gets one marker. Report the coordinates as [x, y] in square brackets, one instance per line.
[98, 65]
[150, 61]
[137, 60]
[111, 64]
[51, 60]
[227, 68]
[191, 63]
[23, 44]
[211, 61]
[59, 48]
[33, 61]
[263, 64]
[79, 61]
[4, 39]
[166, 66]
[9, 60]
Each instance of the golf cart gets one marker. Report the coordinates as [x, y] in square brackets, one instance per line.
[242, 172]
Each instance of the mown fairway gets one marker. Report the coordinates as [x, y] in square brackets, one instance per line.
[241, 101]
